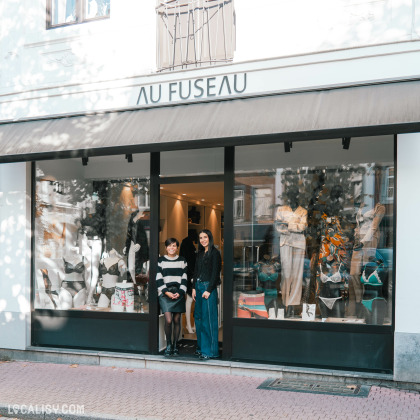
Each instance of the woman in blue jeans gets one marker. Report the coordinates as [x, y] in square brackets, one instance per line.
[206, 279]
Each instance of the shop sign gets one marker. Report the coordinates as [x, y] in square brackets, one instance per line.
[193, 89]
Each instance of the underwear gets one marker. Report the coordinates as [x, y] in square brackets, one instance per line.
[329, 302]
[123, 297]
[252, 306]
[70, 268]
[113, 270]
[270, 295]
[368, 303]
[108, 291]
[73, 286]
[334, 278]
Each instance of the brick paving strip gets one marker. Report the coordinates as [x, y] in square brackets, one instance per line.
[119, 393]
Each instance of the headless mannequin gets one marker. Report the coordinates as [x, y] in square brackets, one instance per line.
[113, 262]
[95, 245]
[267, 275]
[291, 222]
[136, 245]
[330, 300]
[332, 259]
[123, 297]
[373, 303]
[73, 293]
[366, 238]
[52, 294]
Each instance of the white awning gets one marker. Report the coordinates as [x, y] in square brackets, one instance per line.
[285, 114]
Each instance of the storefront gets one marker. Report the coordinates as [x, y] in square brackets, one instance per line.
[302, 207]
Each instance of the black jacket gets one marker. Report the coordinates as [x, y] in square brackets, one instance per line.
[188, 251]
[137, 234]
[207, 268]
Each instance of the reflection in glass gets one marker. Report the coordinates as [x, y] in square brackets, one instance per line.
[63, 11]
[97, 8]
[92, 236]
[315, 242]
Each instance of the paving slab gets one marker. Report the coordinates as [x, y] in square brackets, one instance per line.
[35, 390]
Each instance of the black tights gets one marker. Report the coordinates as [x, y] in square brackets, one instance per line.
[175, 319]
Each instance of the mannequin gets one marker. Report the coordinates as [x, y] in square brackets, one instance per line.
[329, 294]
[366, 238]
[331, 274]
[95, 246]
[111, 267]
[291, 222]
[52, 294]
[189, 252]
[373, 303]
[123, 297]
[136, 245]
[90, 231]
[73, 293]
[332, 238]
[267, 271]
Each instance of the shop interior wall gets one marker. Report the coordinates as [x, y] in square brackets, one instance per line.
[407, 309]
[174, 221]
[15, 255]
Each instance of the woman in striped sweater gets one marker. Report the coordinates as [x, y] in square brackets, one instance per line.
[171, 281]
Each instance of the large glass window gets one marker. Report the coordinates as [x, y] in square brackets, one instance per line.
[62, 12]
[313, 231]
[92, 234]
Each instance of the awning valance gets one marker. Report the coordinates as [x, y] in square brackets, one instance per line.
[291, 113]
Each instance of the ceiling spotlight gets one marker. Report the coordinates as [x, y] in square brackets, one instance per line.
[345, 141]
[129, 157]
[184, 194]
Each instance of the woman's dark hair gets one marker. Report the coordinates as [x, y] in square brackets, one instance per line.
[211, 241]
[171, 241]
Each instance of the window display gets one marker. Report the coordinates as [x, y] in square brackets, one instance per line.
[92, 234]
[315, 242]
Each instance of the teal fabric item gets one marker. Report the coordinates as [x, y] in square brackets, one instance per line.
[368, 303]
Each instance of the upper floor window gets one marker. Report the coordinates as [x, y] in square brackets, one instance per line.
[194, 33]
[65, 12]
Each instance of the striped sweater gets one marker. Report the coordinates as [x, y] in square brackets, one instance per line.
[171, 272]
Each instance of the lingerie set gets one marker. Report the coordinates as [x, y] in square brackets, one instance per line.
[74, 286]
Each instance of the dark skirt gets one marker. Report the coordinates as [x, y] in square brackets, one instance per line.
[172, 305]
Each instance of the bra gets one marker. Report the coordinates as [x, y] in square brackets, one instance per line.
[334, 278]
[78, 268]
[373, 279]
[267, 276]
[113, 270]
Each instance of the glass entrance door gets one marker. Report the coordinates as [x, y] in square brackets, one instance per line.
[186, 209]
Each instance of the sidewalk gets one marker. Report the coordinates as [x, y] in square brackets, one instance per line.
[121, 393]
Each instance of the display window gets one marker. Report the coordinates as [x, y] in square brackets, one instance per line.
[92, 233]
[313, 231]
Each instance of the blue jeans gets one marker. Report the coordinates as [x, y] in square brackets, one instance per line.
[206, 323]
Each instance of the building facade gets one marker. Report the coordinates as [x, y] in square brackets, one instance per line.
[289, 130]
